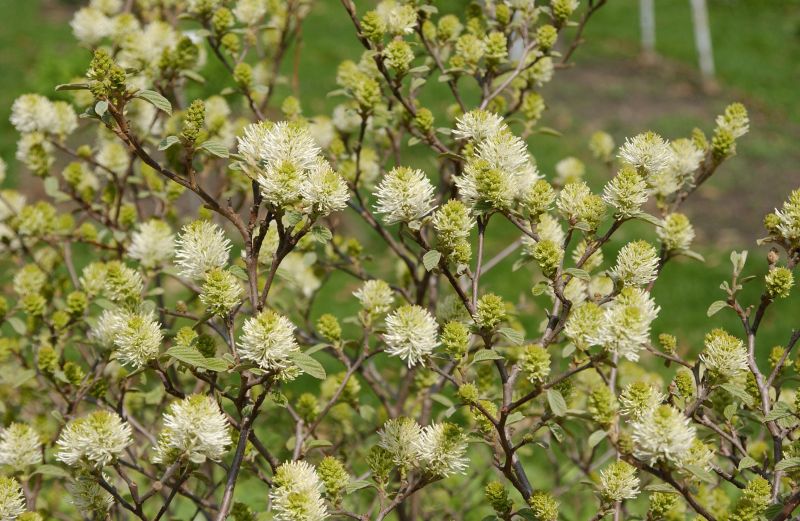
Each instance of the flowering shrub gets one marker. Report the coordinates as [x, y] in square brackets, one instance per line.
[164, 360]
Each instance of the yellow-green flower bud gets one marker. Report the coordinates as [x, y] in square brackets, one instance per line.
[532, 106]
[307, 407]
[47, 359]
[546, 36]
[222, 20]
[329, 328]
[193, 121]
[455, 339]
[398, 56]
[334, 476]
[496, 47]
[779, 282]
[602, 405]
[548, 255]
[535, 362]
[684, 383]
[497, 496]
[468, 393]
[544, 506]
[373, 26]
[490, 312]
[424, 120]
[74, 373]
[449, 27]
[723, 144]
[243, 75]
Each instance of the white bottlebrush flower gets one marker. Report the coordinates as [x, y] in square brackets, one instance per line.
[411, 334]
[298, 272]
[478, 125]
[627, 192]
[676, 232]
[296, 494]
[324, 191]
[96, 439]
[250, 12]
[194, 428]
[20, 446]
[648, 152]
[399, 437]
[701, 455]
[152, 244]
[569, 170]
[113, 156]
[91, 25]
[583, 324]
[499, 174]
[108, 7]
[281, 156]
[637, 264]
[137, 338]
[686, 158]
[201, 246]
[441, 449]
[725, 355]
[734, 120]
[665, 434]
[108, 325]
[222, 291]
[93, 278]
[66, 121]
[404, 195]
[399, 18]
[376, 296]
[619, 482]
[268, 341]
[12, 500]
[789, 217]
[33, 113]
[626, 323]
[88, 496]
[639, 398]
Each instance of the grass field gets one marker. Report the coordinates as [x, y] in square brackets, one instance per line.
[757, 57]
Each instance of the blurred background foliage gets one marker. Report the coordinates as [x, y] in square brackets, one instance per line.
[757, 54]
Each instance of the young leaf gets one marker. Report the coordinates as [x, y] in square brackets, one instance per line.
[431, 259]
[155, 99]
[215, 148]
[308, 365]
[556, 401]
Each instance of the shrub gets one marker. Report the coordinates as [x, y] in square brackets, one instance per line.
[227, 308]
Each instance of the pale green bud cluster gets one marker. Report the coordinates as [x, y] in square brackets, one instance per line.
[779, 282]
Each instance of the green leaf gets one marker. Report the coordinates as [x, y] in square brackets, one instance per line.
[431, 259]
[72, 86]
[512, 335]
[788, 463]
[168, 142]
[660, 487]
[191, 356]
[308, 365]
[701, 473]
[215, 148]
[444, 400]
[52, 471]
[514, 417]
[596, 437]
[486, 354]
[321, 234]
[155, 99]
[549, 131]
[556, 401]
[18, 325]
[578, 273]
[780, 410]
[738, 392]
[692, 255]
[356, 484]
[556, 431]
[747, 462]
[652, 219]
[715, 307]
[238, 272]
[318, 443]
